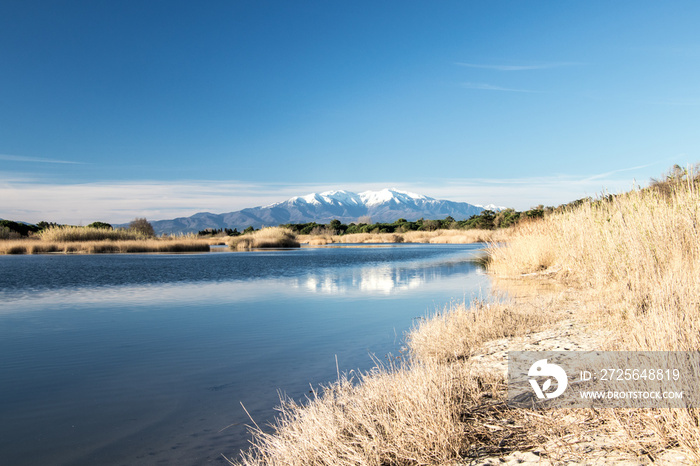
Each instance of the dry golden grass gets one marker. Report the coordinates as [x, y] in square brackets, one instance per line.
[39, 246]
[273, 237]
[641, 249]
[435, 237]
[454, 334]
[639, 255]
[315, 240]
[71, 234]
[412, 414]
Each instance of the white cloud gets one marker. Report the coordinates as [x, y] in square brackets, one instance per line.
[23, 158]
[120, 202]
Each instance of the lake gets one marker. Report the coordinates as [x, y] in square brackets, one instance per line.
[147, 359]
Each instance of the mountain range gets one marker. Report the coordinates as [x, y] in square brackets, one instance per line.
[386, 205]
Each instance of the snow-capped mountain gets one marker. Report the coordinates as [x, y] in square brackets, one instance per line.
[492, 207]
[386, 205]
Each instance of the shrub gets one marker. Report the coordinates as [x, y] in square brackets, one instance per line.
[102, 225]
[143, 227]
[22, 229]
[16, 249]
[6, 233]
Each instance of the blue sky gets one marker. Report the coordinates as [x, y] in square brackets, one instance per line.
[112, 110]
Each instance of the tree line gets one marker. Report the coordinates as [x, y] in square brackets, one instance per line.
[10, 229]
[485, 220]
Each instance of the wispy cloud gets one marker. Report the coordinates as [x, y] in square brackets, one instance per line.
[491, 87]
[605, 175]
[120, 202]
[524, 192]
[541, 66]
[23, 158]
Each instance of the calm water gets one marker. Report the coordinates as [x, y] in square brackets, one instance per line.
[146, 359]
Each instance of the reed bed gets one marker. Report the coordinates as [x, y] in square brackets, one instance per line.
[641, 249]
[636, 260]
[273, 237]
[72, 234]
[434, 237]
[37, 246]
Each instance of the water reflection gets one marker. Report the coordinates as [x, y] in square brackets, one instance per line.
[365, 281]
[383, 280]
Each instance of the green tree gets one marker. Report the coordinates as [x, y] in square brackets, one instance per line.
[102, 225]
[43, 225]
[143, 226]
[506, 218]
[22, 229]
[337, 227]
[430, 225]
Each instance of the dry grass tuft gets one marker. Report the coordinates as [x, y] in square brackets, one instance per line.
[455, 333]
[400, 416]
[317, 240]
[273, 237]
[14, 247]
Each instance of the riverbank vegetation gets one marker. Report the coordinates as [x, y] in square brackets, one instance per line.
[273, 237]
[432, 237]
[162, 245]
[71, 233]
[430, 409]
[634, 259]
[98, 238]
[629, 264]
[483, 227]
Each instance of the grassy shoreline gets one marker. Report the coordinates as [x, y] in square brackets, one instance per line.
[628, 264]
[431, 237]
[85, 240]
[155, 245]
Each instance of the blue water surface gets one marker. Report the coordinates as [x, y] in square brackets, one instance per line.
[147, 359]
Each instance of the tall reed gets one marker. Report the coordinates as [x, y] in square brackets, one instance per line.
[640, 254]
[69, 233]
[642, 247]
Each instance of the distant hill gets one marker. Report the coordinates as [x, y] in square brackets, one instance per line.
[386, 205]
